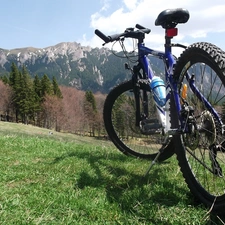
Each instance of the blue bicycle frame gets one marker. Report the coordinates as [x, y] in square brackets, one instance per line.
[171, 85]
[163, 112]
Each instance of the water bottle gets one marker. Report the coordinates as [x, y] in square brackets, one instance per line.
[159, 90]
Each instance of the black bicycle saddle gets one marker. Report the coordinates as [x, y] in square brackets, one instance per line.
[169, 18]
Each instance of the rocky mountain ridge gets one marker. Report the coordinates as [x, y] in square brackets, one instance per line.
[72, 64]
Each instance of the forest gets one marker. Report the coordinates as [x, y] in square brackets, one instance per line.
[42, 102]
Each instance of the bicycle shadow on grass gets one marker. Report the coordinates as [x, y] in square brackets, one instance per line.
[131, 191]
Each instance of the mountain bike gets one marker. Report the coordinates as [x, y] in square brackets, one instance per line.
[152, 117]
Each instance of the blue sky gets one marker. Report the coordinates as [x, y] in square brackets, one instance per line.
[43, 23]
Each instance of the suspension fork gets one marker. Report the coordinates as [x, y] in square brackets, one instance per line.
[137, 84]
[137, 103]
[144, 104]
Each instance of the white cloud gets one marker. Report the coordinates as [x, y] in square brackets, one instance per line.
[105, 4]
[206, 18]
[131, 4]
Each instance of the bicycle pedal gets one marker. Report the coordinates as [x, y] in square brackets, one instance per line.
[150, 126]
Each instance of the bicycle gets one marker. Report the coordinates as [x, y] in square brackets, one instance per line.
[181, 114]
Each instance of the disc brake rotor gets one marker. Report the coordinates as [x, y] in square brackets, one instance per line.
[208, 128]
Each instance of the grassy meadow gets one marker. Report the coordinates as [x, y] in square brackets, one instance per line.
[67, 179]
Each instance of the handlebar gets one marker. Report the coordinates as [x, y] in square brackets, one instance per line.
[128, 33]
[102, 36]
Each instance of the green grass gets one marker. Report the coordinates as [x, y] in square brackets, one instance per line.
[68, 179]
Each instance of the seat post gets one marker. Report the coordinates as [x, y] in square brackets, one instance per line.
[167, 44]
[169, 34]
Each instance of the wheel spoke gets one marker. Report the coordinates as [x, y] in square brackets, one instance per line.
[201, 152]
[210, 130]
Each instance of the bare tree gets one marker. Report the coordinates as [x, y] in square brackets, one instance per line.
[72, 110]
[100, 99]
[52, 110]
[5, 101]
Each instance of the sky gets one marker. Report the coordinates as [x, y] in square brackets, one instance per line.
[44, 23]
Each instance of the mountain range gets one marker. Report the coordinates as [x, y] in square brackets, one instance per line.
[72, 64]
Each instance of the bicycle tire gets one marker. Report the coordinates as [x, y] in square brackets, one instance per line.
[201, 155]
[131, 142]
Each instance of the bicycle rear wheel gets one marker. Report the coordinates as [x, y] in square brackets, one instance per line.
[201, 153]
[119, 119]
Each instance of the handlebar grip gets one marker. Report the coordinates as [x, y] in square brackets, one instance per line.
[102, 36]
[144, 29]
[138, 26]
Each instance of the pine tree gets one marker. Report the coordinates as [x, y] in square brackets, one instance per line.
[37, 86]
[56, 89]
[90, 99]
[46, 86]
[14, 76]
[26, 98]
[14, 83]
[5, 79]
[38, 91]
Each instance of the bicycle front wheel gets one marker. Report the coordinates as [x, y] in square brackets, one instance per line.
[119, 119]
[201, 152]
